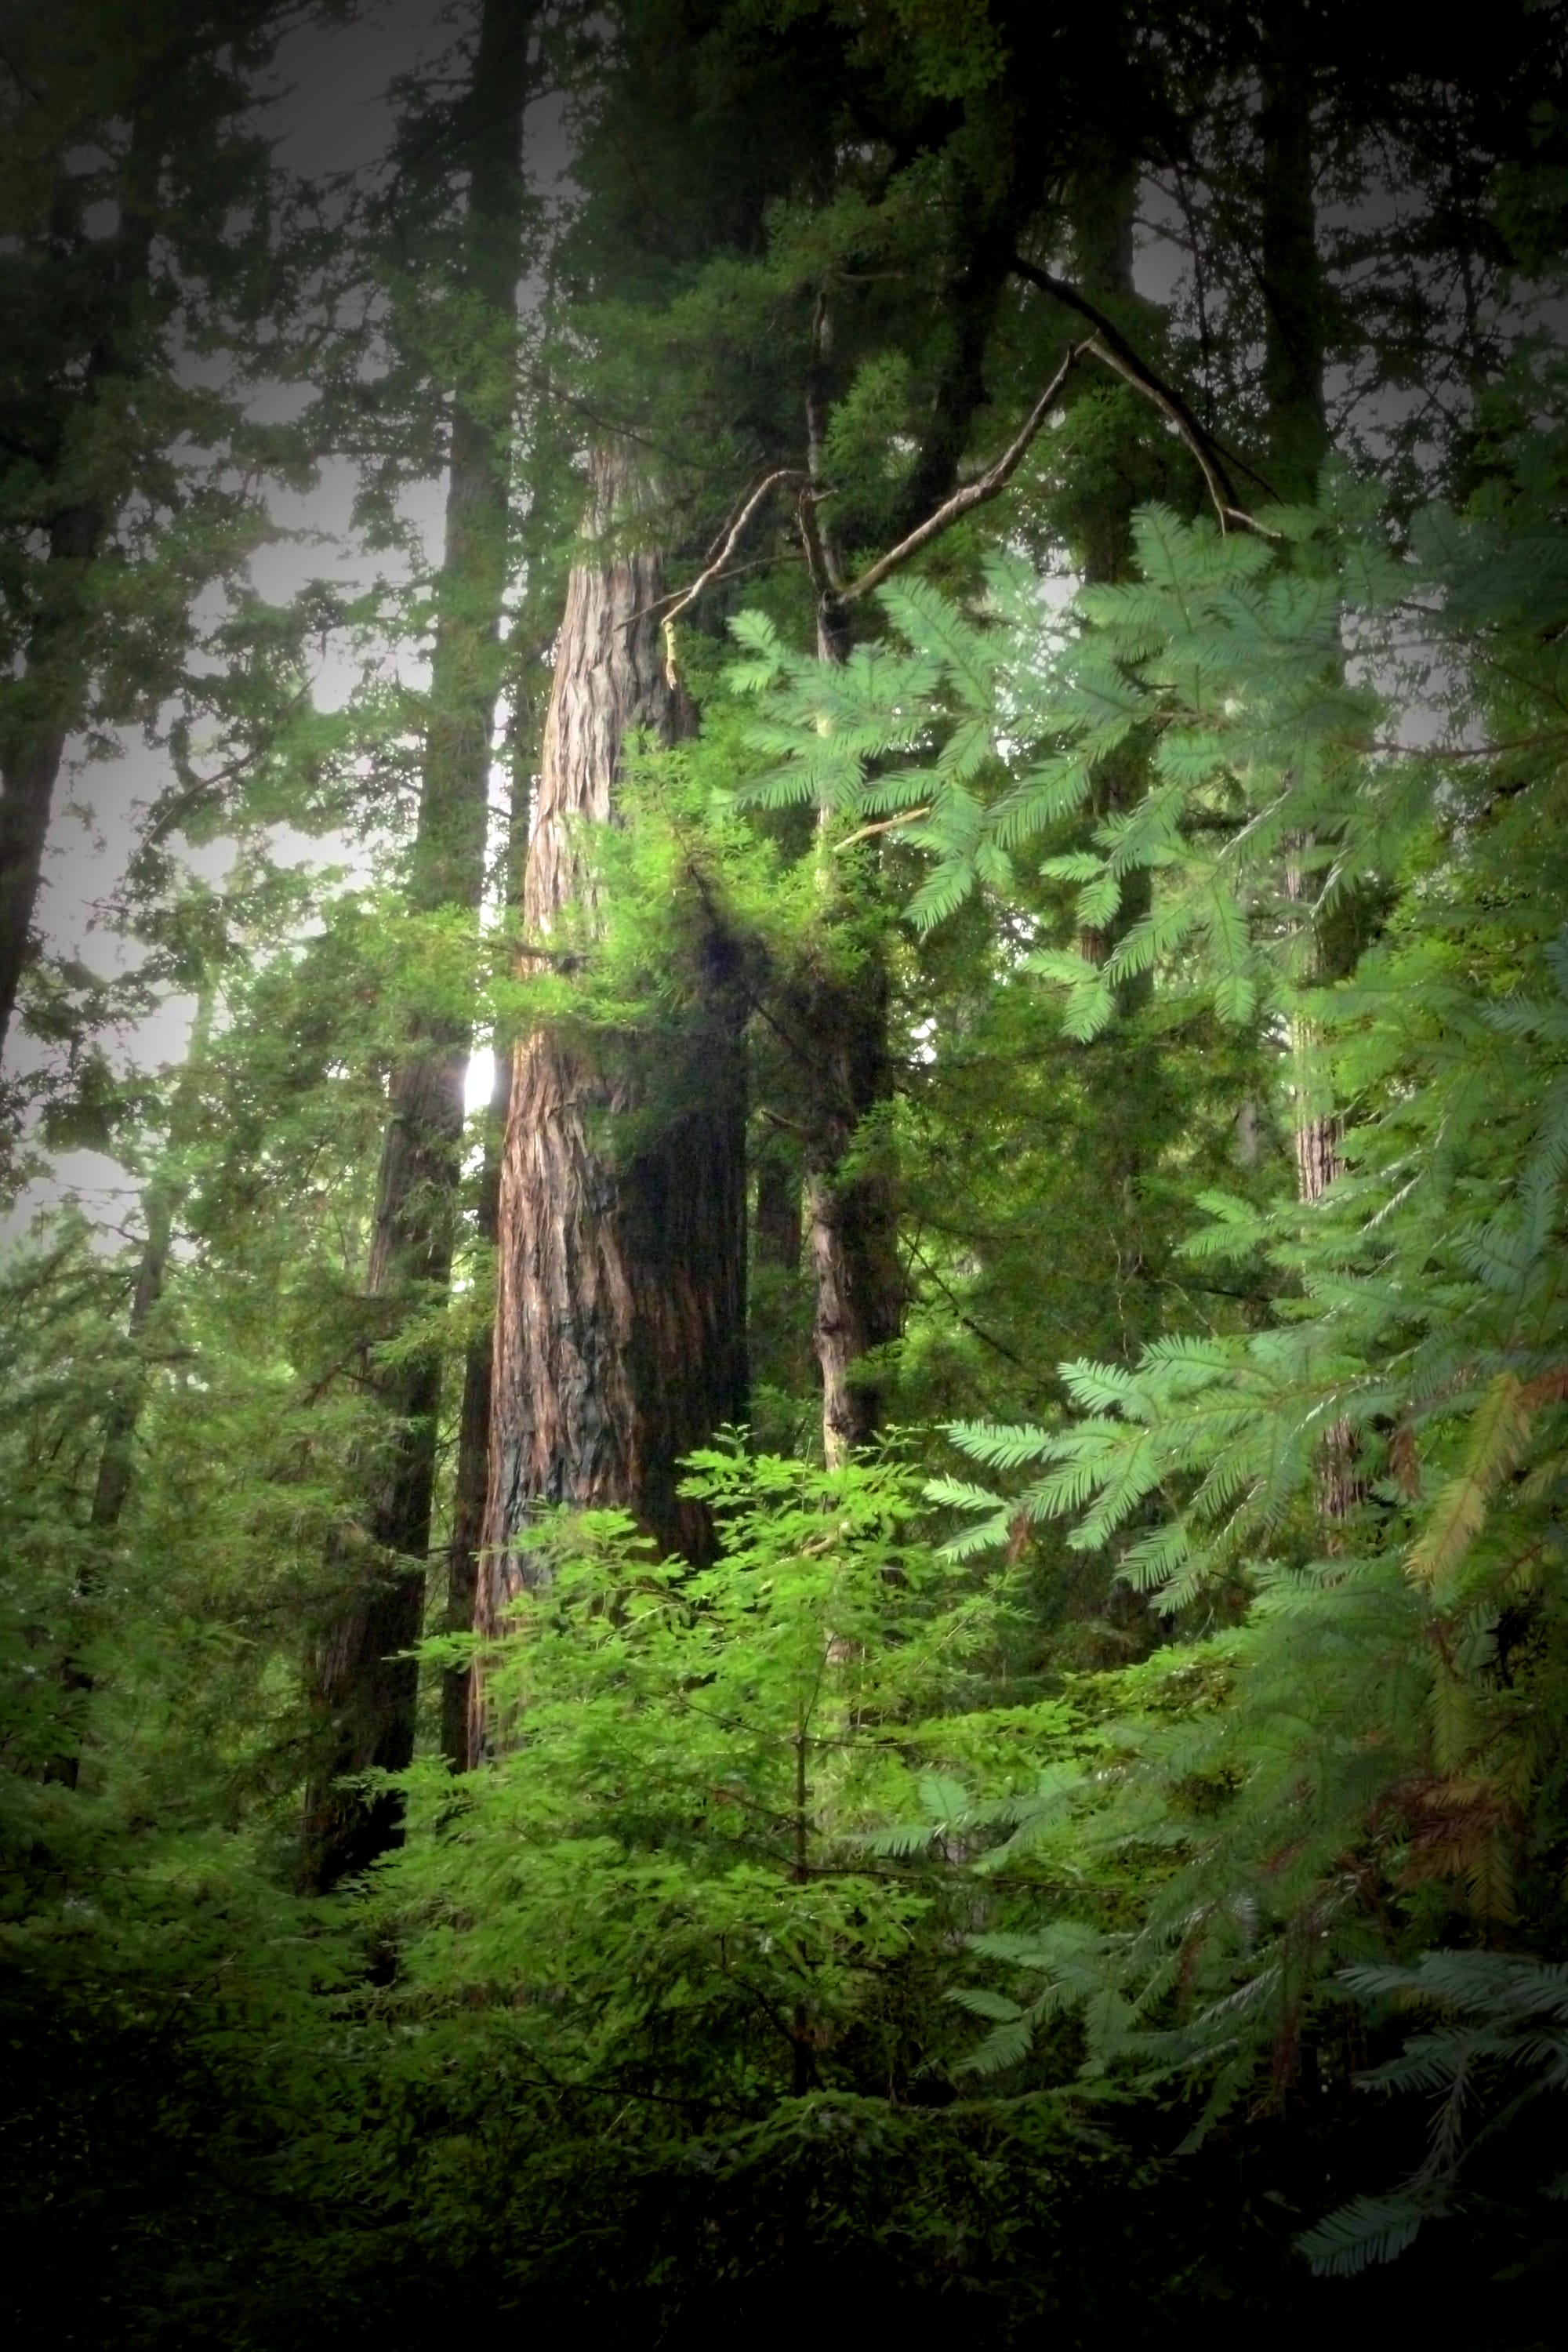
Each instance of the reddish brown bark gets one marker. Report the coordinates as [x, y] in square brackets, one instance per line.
[619, 1338]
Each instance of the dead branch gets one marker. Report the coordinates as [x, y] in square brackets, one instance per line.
[720, 554]
[1110, 346]
[977, 493]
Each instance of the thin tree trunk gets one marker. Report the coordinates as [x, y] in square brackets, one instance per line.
[363, 1684]
[459, 1711]
[777, 1226]
[1297, 438]
[620, 1331]
[850, 1204]
[1297, 444]
[50, 700]
[841, 1015]
[117, 1461]
[1102, 206]
[1296, 426]
[841, 1020]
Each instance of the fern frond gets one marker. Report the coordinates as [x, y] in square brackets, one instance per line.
[1368, 2230]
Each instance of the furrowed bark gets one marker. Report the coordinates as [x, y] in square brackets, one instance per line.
[620, 1310]
[363, 1688]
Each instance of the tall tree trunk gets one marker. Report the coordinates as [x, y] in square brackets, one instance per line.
[1102, 203]
[364, 1686]
[850, 1201]
[1296, 427]
[620, 1330]
[50, 700]
[117, 1461]
[1297, 444]
[777, 1226]
[839, 1011]
[458, 1710]
[1296, 432]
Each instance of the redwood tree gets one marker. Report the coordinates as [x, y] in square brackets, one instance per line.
[619, 1333]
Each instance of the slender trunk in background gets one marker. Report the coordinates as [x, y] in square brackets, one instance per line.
[1297, 445]
[460, 1715]
[50, 700]
[117, 1462]
[1296, 428]
[777, 1228]
[850, 1201]
[1102, 204]
[1134, 1112]
[620, 1310]
[363, 1688]
[1296, 432]
[839, 1012]
[458, 1712]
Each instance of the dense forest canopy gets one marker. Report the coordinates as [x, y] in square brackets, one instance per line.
[783, 1391]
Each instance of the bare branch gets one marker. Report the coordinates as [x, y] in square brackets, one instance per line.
[723, 547]
[972, 494]
[1111, 346]
[884, 824]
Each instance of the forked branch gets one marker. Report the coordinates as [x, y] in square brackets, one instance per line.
[1107, 344]
[1111, 346]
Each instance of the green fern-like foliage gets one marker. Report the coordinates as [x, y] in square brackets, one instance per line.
[1497, 2040]
[1348, 1507]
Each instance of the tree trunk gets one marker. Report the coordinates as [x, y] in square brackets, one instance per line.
[50, 700]
[458, 1712]
[841, 1015]
[1297, 438]
[1297, 446]
[777, 1226]
[1102, 206]
[620, 1332]
[851, 1212]
[117, 1462]
[840, 1018]
[364, 1688]
[1296, 427]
